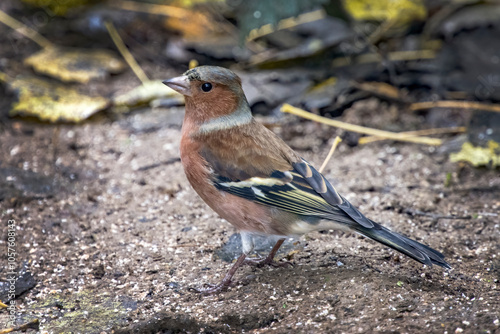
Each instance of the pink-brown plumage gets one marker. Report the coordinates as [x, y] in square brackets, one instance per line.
[251, 178]
[243, 214]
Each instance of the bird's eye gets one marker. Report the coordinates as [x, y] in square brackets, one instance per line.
[206, 87]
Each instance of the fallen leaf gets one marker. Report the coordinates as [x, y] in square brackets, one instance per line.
[53, 102]
[145, 93]
[380, 89]
[57, 7]
[192, 23]
[195, 26]
[75, 65]
[402, 11]
[479, 156]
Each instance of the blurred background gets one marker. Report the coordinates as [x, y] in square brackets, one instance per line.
[322, 55]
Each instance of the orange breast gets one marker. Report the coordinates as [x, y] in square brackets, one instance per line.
[243, 214]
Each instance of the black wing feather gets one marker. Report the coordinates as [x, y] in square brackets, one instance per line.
[305, 192]
[302, 190]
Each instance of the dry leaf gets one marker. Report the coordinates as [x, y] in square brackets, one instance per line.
[58, 7]
[192, 23]
[191, 3]
[53, 102]
[194, 26]
[143, 94]
[402, 11]
[479, 156]
[75, 65]
[381, 89]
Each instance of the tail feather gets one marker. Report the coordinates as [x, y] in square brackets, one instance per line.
[417, 251]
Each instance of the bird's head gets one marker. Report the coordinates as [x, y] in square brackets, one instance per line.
[212, 94]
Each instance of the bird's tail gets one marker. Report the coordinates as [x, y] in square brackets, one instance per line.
[417, 251]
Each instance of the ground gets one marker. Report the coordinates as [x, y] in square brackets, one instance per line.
[114, 236]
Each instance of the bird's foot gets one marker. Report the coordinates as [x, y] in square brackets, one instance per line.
[267, 261]
[225, 283]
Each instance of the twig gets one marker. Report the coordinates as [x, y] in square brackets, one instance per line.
[25, 30]
[455, 104]
[158, 164]
[125, 52]
[170, 11]
[434, 216]
[286, 24]
[488, 214]
[426, 132]
[375, 37]
[379, 88]
[393, 56]
[329, 156]
[360, 129]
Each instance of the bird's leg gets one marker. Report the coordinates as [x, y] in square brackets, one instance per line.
[269, 260]
[226, 281]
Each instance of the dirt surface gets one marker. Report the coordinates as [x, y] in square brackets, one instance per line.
[114, 236]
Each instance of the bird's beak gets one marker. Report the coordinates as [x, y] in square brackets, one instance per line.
[180, 84]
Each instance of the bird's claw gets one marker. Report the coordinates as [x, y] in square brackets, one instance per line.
[267, 261]
[211, 289]
[216, 288]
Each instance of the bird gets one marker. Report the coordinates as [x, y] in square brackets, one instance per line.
[250, 177]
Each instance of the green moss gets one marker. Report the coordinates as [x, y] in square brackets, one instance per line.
[448, 180]
[83, 312]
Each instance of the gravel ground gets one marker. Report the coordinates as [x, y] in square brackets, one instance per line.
[114, 236]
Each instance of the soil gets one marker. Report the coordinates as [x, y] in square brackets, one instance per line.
[114, 235]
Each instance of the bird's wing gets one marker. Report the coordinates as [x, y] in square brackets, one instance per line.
[265, 170]
[268, 172]
[296, 192]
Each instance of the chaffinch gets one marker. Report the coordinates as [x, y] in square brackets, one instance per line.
[255, 181]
